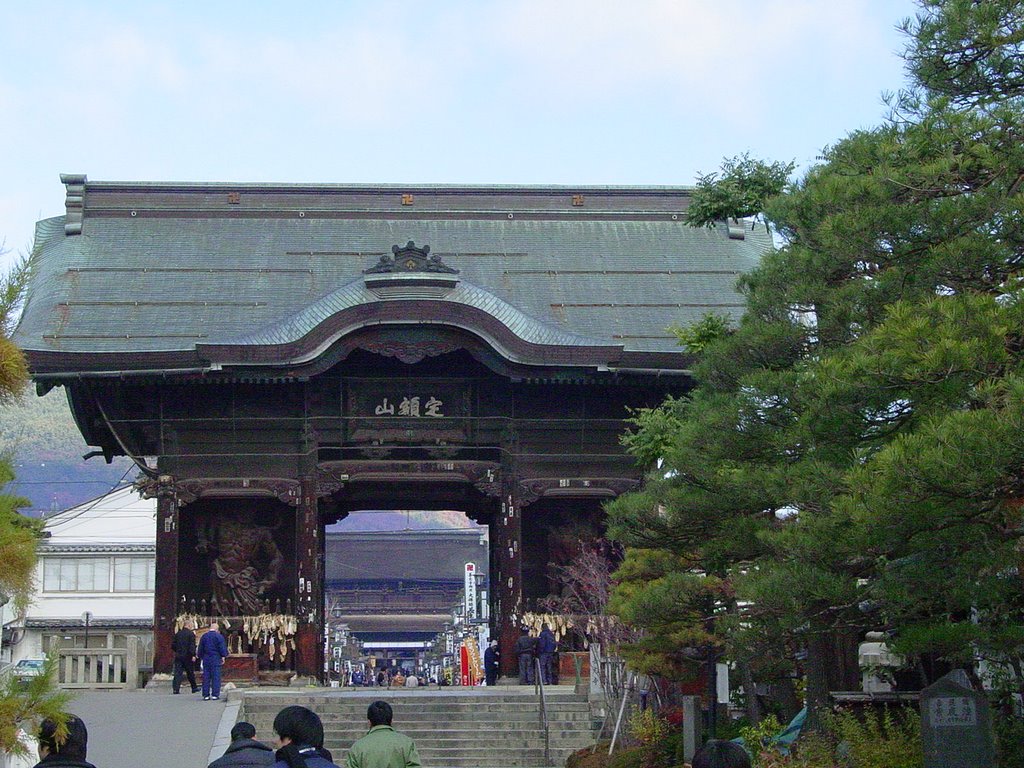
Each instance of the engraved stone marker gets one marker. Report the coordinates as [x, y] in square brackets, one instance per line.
[956, 727]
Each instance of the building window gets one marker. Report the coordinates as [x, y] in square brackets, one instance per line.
[76, 574]
[134, 574]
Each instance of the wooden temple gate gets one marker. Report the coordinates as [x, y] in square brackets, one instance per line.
[272, 363]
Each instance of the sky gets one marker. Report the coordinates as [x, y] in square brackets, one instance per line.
[477, 92]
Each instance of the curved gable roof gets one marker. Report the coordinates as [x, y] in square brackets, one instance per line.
[312, 330]
[165, 276]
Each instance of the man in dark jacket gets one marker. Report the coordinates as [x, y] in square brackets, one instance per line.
[63, 753]
[244, 751]
[184, 647]
[492, 662]
[526, 648]
[213, 649]
[546, 647]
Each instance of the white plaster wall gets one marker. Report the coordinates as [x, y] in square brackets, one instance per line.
[118, 518]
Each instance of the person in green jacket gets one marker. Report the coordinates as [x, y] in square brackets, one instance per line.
[382, 746]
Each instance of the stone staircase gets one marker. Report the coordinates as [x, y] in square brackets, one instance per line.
[453, 728]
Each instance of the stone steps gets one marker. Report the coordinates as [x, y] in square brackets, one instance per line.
[475, 728]
[453, 717]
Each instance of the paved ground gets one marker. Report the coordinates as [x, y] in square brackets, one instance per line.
[127, 730]
[156, 728]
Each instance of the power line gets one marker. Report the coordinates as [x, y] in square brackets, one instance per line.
[59, 482]
[98, 499]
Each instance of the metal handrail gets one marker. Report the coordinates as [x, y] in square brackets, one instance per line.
[538, 687]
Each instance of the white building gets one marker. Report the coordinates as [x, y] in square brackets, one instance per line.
[94, 579]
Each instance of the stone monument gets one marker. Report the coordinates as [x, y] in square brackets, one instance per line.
[956, 727]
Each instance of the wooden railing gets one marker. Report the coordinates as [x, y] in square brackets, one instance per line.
[110, 668]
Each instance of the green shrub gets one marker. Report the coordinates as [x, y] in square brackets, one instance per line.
[595, 756]
[631, 757]
[887, 739]
[757, 738]
[871, 739]
[646, 727]
[1009, 738]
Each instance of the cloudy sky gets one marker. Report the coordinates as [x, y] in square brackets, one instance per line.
[512, 92]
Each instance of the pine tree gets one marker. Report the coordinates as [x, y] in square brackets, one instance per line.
[21, 706]
[837, 452]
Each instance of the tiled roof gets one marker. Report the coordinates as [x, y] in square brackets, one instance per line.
[409, 555]
[96, 623]
[82, 549]
[164, 268]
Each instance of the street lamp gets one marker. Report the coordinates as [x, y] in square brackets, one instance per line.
[87, 617]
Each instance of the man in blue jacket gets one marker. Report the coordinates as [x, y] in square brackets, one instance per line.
[212, 651]
[546, 647]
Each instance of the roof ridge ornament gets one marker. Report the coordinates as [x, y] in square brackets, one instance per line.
[74, 202]
[409, 258]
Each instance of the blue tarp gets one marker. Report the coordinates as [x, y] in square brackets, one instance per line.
[784, 739]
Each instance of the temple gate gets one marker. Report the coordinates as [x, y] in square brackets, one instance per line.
[274, 357]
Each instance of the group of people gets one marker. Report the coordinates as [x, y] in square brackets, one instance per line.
[394, 677]
[542, 648]
[211, 651]
[298, 743]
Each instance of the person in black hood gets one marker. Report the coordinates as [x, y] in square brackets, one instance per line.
[244, 751]
[184, 647]
[57, 750]
[300, 734]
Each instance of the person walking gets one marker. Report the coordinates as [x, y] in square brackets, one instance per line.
[382, 746]
[68, 752]
[300, 739]
[184, 646]
[526, 647]
[212, 651]
[546, 647]
[492, 663]
[244, 751]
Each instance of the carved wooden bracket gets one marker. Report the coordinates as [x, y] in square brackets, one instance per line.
[532, 489]
[156, 487]
[329, 481]
[408, 352]
[488, 482]
[485, 476]
[284, 489]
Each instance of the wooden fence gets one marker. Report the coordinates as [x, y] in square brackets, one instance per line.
[108, 668]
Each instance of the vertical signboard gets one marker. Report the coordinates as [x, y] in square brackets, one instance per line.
[469, 592]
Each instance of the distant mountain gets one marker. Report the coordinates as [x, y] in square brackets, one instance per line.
[46, 449]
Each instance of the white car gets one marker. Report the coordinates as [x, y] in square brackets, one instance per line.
[27, 668]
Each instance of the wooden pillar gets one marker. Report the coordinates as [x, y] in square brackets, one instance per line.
[309, 587]
[508, 545]
[165, 599]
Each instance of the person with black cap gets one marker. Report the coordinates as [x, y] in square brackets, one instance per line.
[492, 662]
[63, 750]
[244, 751]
